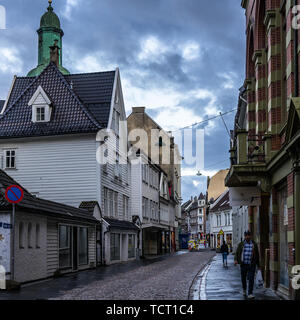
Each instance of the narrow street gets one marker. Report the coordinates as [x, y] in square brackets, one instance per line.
[164, 278]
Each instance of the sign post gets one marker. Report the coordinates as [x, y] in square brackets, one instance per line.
[13, 194]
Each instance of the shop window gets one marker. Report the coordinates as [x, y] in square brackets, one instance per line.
[21, 235]
[29, 235]
[83, 246]
[131, 246]
[115, 246]
[64, 246]
[37, 236]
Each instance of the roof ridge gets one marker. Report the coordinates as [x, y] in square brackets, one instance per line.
[80, 74]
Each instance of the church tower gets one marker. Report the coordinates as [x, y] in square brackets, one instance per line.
[50, 37]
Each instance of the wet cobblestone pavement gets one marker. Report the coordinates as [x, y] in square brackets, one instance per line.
[225, 283]
[165, 278]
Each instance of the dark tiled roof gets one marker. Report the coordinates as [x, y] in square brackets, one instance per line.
[222, 203]
[95, 91]
[89, 205]
[185, 204]
[40, 205]
[83, 109]
[119, 224]
[201, 196]
[1, 104]
[20, 85]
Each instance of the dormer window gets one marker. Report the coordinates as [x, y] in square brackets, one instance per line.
[41, 113]
[40, 103]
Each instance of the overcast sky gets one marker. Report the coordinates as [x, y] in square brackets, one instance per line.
[184, 60]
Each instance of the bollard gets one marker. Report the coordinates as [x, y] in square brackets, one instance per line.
[2, 278]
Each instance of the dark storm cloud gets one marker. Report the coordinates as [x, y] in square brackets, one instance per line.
[118, 29]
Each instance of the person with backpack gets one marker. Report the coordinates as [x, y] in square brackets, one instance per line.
[225, 252]
[247, 256]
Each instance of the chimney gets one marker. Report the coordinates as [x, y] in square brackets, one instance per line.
[54, 53]
[138, 109]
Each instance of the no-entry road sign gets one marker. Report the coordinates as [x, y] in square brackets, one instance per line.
[14, 194]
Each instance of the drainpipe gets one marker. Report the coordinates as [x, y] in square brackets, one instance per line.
[296, 65]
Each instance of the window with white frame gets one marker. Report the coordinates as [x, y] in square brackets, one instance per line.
[147, 208]
[111, 203]
[144, 207]
[117, 166]
[10, 158]
[131, 246]
[21, 235]
[29, 235]
[115, 246]
[116, 204]
[41, 113]
[126, 207]
[37, 236]
[105, 201]
[65, 247]
[83, 246]
[152, 210]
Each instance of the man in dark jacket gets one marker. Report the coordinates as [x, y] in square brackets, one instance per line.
[247, 256]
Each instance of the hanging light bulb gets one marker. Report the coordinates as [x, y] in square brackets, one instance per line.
[199, 173]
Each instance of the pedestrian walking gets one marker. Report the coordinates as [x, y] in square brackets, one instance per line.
[225, 252]
[247, 256]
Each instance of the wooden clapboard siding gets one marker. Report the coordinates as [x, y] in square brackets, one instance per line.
[92, 244]
[61, 169]
[52, 247]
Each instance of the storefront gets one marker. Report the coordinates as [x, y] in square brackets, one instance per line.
[47, 238]
[283, 239]
[120, 241]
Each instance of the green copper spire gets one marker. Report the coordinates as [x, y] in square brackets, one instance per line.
[48, 33]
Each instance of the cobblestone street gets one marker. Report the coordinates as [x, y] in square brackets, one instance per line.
[166, 278]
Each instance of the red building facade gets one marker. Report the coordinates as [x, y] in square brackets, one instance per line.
[265, 152]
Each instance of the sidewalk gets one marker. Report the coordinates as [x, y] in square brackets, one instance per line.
[225, 283]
